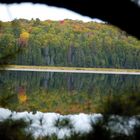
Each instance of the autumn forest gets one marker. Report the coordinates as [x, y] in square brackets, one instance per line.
[67, 43]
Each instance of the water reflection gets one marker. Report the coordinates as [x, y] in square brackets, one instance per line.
[22, 97]
[63, 92]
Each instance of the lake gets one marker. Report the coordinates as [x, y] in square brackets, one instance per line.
[63, 92]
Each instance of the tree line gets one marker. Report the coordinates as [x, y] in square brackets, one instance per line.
[68, 43]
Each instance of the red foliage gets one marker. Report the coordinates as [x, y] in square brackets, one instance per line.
[62, 21]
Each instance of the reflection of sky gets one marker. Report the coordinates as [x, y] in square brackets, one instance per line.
[43, 12]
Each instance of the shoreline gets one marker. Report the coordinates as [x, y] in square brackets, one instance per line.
[71, 69]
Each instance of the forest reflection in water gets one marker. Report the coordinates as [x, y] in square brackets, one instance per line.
[66, 92]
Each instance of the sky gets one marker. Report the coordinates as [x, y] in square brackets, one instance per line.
[41, 11]
[136, 1]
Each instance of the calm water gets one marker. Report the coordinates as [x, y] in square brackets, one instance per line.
[62, 92]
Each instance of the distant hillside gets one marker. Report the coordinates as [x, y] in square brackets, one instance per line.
[68, 43]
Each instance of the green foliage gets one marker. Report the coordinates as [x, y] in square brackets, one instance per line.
[137, 132]
[14, 130]
[69, 43]
[61, 123]
[126, 105]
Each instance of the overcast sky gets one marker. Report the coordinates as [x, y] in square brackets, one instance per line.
[43, 12]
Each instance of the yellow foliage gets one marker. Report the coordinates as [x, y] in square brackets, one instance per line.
[24, 35]
[22, 98]
[23, 40]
